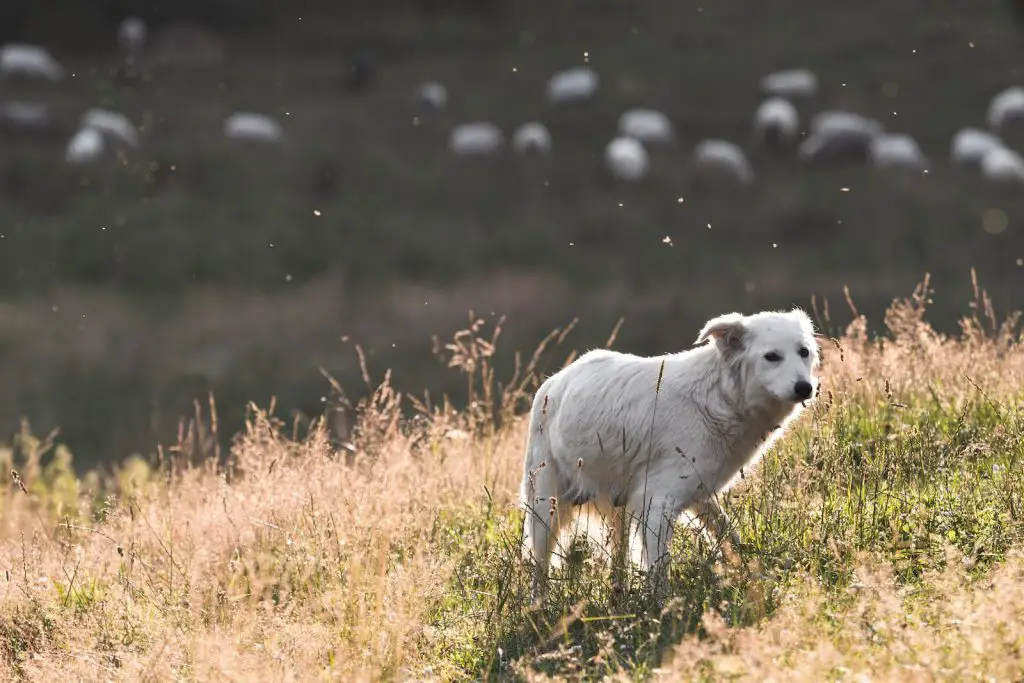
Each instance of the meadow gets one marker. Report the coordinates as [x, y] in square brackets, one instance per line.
[882, 538]
[194, 264]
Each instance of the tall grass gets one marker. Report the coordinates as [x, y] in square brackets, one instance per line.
[881, 537]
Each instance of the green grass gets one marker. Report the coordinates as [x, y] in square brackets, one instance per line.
[399, 215]
[882, 536]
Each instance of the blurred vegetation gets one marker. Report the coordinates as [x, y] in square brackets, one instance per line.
[363, 190]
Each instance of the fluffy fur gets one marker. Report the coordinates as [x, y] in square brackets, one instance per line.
[654, 437]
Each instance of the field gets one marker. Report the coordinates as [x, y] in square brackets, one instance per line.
[190, 265]
[882, 540]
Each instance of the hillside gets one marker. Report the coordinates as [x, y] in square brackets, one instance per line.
[881, 541]
[133, 288]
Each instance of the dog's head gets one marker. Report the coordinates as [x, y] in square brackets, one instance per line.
[775, 352]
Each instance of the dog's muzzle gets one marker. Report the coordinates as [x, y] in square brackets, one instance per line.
[802, 390]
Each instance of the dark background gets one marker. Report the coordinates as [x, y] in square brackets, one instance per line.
[196, 263]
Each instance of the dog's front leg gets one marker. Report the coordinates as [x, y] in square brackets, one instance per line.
[657, 522]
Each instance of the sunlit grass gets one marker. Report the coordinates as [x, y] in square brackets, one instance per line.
[882, 537]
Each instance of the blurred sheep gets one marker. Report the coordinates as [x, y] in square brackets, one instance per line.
[476, 138]
[27, 117]
[131, 35]
[85, 147]
[722, 158]
[1003, 166]
[431, 96]
[29, 61]
[646, 125]
[897, 151]
[970, 145]
[627, 159]
[254, 127]
[776, 123]
[1005, 107]
[532, 138]
[111, 124]
[572, 85]
[839, 136]
[790, 83]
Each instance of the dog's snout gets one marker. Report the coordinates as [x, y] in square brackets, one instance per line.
[803, 390]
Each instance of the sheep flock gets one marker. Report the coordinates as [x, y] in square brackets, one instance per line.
[827, 136]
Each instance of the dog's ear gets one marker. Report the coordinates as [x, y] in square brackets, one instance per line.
[728, 331]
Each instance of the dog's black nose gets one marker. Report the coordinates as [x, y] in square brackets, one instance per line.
[803, 390]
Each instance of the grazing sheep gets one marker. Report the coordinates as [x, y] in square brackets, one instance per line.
[790, 83]
[839, 136]
[837, 121]
[572, 85]
[646, 125]
[652, 437]
[532, 138]
[85, 147]
[29, 61]
[26, 116]
[776, 122]
[897, 150]
[723, 157]
[112, 124]
[476, 138]
[131, 34]
[970, 145]
[627, 159]
[1005, 107]
[252, 127]
[1003, 166]
[431, 95]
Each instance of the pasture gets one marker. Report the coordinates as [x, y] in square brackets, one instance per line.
[881, 539]
[194, 262]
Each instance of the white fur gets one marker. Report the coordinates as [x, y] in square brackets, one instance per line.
[605, 432]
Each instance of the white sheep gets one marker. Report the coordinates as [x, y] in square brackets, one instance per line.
[432, 95]
[722, 156]
[776, 120]
[26, 115]
[790, 83]
[627, 159]
[252, 127]
[970, 145]
[476, 138]
[1002, 165]
[897, 150]
[532, 138]
[31, 61]
[1006, 106]
[111, 123]
[839, 135]
[646, 125]
[838, 121]
[572, 85]
[86, 146]
[131, 34]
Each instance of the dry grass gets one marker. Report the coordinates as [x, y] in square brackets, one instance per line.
[882, 541]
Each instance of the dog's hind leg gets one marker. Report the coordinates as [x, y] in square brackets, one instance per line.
[714, 520]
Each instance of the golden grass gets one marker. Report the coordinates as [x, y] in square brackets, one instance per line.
[392, 556]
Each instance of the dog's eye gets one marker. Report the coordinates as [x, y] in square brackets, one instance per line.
[772, 357]
[804, 352]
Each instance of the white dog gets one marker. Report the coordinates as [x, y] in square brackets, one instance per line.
[657, 436]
